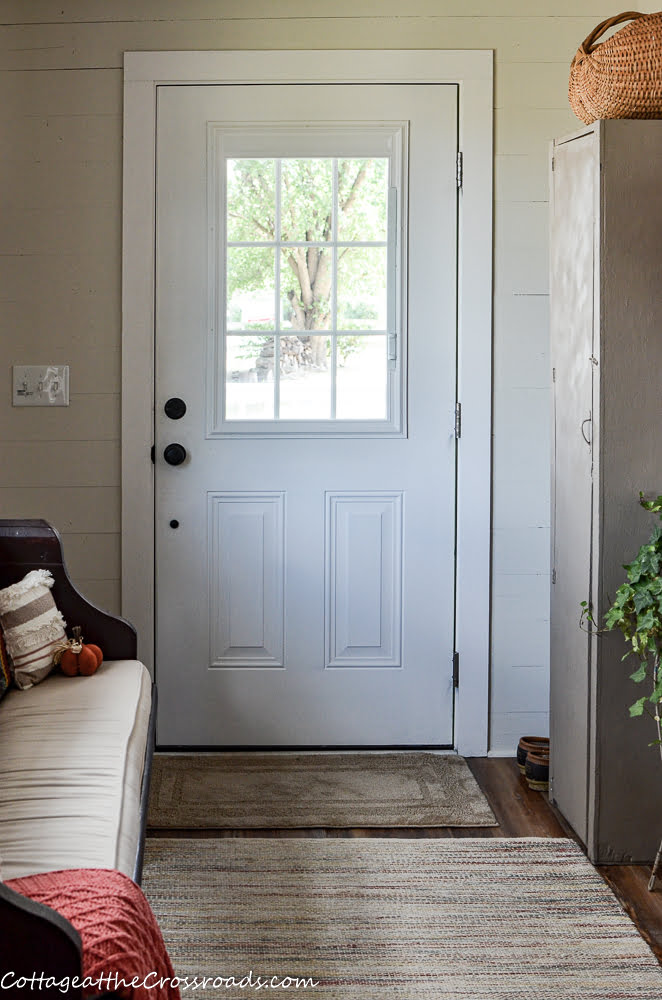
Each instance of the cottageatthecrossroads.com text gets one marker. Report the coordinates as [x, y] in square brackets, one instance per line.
[113, 981]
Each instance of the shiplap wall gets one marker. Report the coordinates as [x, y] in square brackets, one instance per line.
[60, 253]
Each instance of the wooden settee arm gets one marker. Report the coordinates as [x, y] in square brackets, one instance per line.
[35, 544]
[34, 938]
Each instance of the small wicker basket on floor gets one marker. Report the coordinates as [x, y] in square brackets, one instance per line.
[622, 77]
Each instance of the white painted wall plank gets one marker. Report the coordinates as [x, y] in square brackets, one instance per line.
[76, 92]
[86, 186]
[523, 551]
[87, 45]
[85, 509]
[521, 260]
[546, 85]
[521, 177]
[92, 557]
[68, 305]
[507, 727]
[521, 686]
[521, 342]
[528, 130]
[93, 416]
[63, 139]
[61, 11]
[61, 231]
[104, 593]
[43, 463]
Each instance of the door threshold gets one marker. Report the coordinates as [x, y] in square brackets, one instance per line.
[428, 747]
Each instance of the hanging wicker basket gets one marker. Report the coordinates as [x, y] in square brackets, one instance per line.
[622, 77]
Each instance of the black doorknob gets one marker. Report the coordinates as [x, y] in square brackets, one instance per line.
[175, 408]
[175, 454]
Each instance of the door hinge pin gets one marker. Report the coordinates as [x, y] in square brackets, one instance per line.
[553, 374]
[553, 576]
[458, 420]
[459, 169]
[456, 669]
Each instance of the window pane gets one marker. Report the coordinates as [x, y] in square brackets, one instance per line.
[305, 288]
[249, 380]
[305, 387]
[362, 199]
[251, 292]
[251, 200]
[361, 380]
[362, 288]
[306, 200]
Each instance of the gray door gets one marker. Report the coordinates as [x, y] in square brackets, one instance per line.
[572, 298]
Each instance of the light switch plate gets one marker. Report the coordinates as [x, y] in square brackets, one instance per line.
[40, 385]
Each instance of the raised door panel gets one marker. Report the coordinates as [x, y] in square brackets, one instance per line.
[364, 580]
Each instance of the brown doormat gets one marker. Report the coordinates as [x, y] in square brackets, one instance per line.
[277, 790]
[467, 919]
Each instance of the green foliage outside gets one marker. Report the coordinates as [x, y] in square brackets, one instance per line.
[306, 272]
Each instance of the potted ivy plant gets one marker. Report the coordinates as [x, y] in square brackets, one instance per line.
[637, 612]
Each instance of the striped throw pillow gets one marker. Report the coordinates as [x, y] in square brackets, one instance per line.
[32, 626]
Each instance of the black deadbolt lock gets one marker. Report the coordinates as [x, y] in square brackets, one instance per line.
[175, 454]
[175, 408]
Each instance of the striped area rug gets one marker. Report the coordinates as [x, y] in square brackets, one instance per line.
[474, 919]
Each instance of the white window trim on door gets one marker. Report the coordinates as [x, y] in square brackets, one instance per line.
[472, 70]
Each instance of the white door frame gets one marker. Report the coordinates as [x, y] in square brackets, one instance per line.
[472, 71]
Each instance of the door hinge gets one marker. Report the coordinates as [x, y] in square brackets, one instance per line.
[553, 374]
[456, 669]
[553, 576]
[459, 169]
[553, 164]
[458, 420]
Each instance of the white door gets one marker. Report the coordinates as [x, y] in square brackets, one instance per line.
[306, 319]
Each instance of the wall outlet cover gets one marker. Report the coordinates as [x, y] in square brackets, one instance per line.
[40, 385]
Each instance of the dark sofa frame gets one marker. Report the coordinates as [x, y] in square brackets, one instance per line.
[33, 937]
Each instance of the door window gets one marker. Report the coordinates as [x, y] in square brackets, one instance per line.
[308, 296]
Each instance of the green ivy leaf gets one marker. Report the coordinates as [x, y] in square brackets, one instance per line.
[613, 617]
[656, 696]
[646, 622]
[650, 561]
[638, 708]
[639, 674]
[642, 599]
[653, 505]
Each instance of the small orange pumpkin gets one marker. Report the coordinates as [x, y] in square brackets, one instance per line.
[79, 657]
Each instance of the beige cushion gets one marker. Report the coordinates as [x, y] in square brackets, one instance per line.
[72, 752]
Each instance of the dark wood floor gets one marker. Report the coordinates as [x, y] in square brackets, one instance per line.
[520, 812]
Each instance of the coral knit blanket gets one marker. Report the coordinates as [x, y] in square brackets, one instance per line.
[119, 932]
